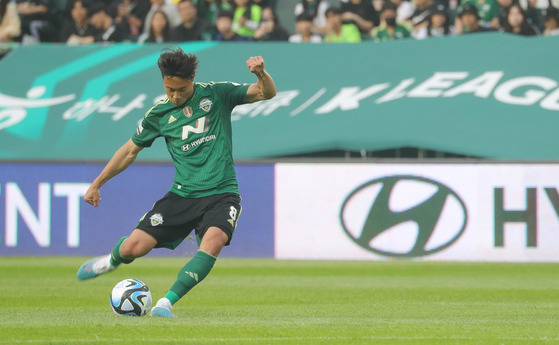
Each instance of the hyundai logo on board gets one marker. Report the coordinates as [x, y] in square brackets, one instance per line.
[403, 216]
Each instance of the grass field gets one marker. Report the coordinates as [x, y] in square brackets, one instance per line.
[288, 302]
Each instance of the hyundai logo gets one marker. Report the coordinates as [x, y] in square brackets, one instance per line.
[403, 216]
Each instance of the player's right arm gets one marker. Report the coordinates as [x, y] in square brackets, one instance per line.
[121, 160]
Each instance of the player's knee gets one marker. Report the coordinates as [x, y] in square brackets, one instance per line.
[213, 241]
[133, 249]
[219, 242]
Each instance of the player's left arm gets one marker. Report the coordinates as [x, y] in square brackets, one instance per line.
[264, 88]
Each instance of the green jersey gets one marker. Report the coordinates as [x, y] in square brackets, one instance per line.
[350, 34]
[252, 22]
[380, 33]
[199, 138]
[487, 9]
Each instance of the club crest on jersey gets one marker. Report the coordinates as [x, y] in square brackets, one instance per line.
[205, 104]
[156, 219]
[187, 111]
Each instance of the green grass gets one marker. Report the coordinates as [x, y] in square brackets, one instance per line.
[288, 302]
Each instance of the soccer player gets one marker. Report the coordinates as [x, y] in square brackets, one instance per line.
[195, 120]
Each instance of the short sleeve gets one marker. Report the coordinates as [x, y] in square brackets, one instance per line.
[147, 131]
[232, 94]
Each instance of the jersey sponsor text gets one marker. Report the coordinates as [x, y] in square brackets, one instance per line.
[195, 143]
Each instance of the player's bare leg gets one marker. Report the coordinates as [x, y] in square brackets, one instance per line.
[138, 244]
[213, 241]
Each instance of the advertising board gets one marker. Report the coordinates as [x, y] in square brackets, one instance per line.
[462, 212]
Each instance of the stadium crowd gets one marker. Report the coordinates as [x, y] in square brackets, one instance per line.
[81, 22]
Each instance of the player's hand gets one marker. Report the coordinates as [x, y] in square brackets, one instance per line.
[92, 196]
[256, 65]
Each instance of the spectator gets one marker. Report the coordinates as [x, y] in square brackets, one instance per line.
[192, 27]
[225, 31]
[78, 25]
[209, 9]
[419, 18]
[469, 19]
[270, 28]
[405, 9]
[10, 25]
[389, 29]
[488, 13]
[159, 30]
[360, 13]
[317, 10]
[438, 24]
[35, 20]
[534, 15]
[338, 32]
[303, 28]
[246, 17]
[266, 3]
[518, 24]
[107, 29]
[170, 10]
[504, 6]
[131, 14]
[551, 21]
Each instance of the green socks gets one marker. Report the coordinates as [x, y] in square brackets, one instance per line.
[191, 274]
[116, 258]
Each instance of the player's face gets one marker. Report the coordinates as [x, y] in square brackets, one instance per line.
[178, 89]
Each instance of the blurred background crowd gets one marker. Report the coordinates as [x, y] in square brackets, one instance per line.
[81, 22]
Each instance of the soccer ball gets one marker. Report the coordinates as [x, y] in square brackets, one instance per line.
[130, 297]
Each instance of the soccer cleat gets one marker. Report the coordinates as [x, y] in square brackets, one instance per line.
[95, 267]
[162, 309]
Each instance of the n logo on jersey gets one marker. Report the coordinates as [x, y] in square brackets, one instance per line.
[205, 104]
[202, 126]
[187, 111]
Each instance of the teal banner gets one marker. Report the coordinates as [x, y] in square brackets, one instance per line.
[487, 95]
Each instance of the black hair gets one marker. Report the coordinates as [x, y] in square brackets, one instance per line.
[96, 8]
[3, 7]
[174, 62]
[84, 4]
[225, 13]
[333, 10]
[304, 16]
[389, 5]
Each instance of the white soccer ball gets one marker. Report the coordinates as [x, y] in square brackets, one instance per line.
[130, 297]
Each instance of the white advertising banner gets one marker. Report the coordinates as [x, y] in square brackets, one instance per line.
[459, 212]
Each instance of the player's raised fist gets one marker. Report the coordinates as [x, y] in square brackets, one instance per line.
[255, 64]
